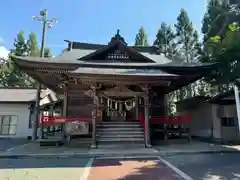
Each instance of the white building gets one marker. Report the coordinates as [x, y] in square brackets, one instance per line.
[16, 112]
[214, 119]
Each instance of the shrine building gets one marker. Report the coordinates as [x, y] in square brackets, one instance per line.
[115, 88]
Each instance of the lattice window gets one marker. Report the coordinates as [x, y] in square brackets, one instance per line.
[117, 54]
[8, 125]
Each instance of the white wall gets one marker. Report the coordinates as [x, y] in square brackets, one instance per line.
[22, 112]
[201, 121]
[216, 122]
[231, 132]
[206, 121]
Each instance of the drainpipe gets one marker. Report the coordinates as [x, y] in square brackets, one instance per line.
[236, 92]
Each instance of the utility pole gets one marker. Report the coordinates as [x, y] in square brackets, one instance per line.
[45, 23]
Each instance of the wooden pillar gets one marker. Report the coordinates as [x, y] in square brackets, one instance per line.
[147, 127]
[165, 126]
[236, 92]
[65, 103]
[94, 118]
[137, 109]
[35, 122]
[165, 105]
[51, 110]
[42, 135]
[65, 113]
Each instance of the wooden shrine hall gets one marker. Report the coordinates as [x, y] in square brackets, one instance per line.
[121, 82]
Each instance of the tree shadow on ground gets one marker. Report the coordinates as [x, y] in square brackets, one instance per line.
[135, 169]
[217, 166]
[153, 172]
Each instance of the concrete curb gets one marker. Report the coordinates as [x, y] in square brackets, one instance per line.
[199, 152]
[101, 155]
[71, 155]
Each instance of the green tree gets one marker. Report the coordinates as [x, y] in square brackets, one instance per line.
[141, 38]
[11, 75]
[20, 45]
[33, 45]
[215, 20]
[165, 41]
[221, 43]
[47, 52]
[188, 44]
[187, 37]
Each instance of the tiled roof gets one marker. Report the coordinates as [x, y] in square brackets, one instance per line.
[82, 49]
[65, 59]
[121, 71]
[17, 95]
[79, 56]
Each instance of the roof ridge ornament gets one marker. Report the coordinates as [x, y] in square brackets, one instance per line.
[117, 37]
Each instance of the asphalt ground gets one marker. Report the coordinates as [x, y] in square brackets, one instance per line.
[194, 166]
[222, 166]
[8, 144]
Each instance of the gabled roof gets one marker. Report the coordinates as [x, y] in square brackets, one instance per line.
[85, 54]
[117, 45]
[17, 95]
[81, 49]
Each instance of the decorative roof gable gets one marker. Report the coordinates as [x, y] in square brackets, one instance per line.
[117, 50]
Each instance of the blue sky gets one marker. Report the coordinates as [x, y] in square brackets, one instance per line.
[94, 21]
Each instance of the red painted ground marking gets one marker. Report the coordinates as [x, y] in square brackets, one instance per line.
[111, 169]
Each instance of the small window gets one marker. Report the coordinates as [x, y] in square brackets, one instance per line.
[8, 125]
[228, 121]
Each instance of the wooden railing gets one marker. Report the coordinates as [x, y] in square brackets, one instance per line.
[172, 119]
[165, 120]
[142, 120]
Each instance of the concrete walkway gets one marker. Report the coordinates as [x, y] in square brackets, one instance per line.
[196, 147]
[34, 150]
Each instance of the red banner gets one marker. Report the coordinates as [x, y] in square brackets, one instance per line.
[63, 119]
[169, 119]
[172, 119]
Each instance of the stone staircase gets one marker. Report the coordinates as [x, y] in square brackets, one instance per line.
[120, 133]
[80, 142]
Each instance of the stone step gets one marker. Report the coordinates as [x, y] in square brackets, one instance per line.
[119, 132]
[120, 122]
[120, 145]
[130, 139]
[121, 136]
[118, 129]
[119, 125]
[80, 142]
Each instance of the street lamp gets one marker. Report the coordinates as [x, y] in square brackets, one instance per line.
[46, 22]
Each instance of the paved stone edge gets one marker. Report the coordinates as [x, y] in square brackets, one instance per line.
[99, 155]
[199, 152]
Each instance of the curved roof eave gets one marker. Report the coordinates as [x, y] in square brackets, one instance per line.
[48, 60]
[122, 72]
[51, 62]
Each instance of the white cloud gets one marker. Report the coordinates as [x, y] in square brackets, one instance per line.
[1, 40]
[3, 52]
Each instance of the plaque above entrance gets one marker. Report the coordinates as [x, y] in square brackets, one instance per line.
[121, 91]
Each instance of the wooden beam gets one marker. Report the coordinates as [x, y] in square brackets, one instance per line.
[112, 81]
[183, 81]
[121, 94]
[120, 77]
[41, 80]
